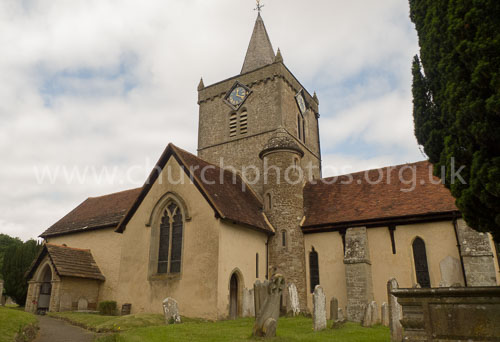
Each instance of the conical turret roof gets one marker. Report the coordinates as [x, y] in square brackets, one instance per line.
[281, 140]
[260, 50]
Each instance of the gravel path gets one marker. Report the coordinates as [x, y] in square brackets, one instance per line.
[55, 330]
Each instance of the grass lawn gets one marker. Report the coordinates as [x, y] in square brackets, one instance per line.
[289, 329]
[11, 321]
[110, 323]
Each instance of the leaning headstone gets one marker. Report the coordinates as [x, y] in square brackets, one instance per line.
[375, 313]
[341, 317]
[367, 316]
[395, 312]
[248, 308]
[385, 314]
[334, 309]
[171, 311]
[267, 296]
[319, 309]
[83, 304]
[293, 307]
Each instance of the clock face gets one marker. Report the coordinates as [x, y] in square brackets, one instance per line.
[237, 96]
[302, 103]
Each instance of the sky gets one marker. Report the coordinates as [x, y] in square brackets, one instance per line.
[94, 90]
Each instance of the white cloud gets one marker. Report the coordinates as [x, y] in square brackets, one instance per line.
[110, 82]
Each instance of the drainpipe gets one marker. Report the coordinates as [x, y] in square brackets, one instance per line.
[267, 258]
[459, 248]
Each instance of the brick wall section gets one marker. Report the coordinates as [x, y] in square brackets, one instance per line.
[359, 281]
[477, 256]
[285, 215]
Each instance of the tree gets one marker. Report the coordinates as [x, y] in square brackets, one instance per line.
[17, 260]
[5, 242]
[456, 101]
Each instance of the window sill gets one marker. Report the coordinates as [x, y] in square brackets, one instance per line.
[165, 277]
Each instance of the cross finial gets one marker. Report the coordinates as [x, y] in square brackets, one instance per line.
[259, 6]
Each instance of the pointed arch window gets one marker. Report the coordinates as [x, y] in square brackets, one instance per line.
[420, 260]
[171, 233]
[313, 269]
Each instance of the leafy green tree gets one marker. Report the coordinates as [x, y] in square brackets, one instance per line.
[5, 242]
[17, 260]
[456, 101]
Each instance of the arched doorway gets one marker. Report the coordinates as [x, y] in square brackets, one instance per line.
[420, 259]
[233, 297]
[45, 289]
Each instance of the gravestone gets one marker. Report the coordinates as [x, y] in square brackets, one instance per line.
[334, 309]
[451, 272]
[65, 303]
[83, 304]
[395, 312]
[367, 316]
[375, 313]
[267, 297]
[1, 291]
[248, 308]
[319, 309]
[171, 311]
[341, 316]
[385, 314]
[293, 307]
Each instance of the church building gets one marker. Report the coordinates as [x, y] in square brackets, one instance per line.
[204, 228]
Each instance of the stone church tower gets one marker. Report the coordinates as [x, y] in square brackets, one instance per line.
[264, 124]
[239, 115]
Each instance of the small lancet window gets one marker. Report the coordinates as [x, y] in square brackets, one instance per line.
[299, 128]
[170, 248]
[283, 238]
[268, 201]
[420, 259]
[313, 269]
[257, 265]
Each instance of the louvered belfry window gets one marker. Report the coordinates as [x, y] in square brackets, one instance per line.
[233, 124]
[170, 249]
[244, 122]
[420, 259]
[313, 269]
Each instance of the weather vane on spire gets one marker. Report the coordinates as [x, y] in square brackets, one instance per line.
[259, 6]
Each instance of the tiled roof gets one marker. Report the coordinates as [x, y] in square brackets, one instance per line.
[359, 198]
[95, 213]
[69, 262]
[232, 201]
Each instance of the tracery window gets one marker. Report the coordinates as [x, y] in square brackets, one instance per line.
[420, 259]
[171, 232]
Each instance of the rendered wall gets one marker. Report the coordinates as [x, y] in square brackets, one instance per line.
[238, 247]
[105, 246]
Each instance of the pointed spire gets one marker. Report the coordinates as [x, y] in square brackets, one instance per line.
[315, 98]
[260, 50]
[279, 57]
[201, 86]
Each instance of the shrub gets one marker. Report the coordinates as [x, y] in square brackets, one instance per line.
[107, 308]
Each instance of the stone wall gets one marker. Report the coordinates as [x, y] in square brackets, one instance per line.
[270, 105]
[358, 273]
[285, 216]
[477, 255]
[450, 314]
